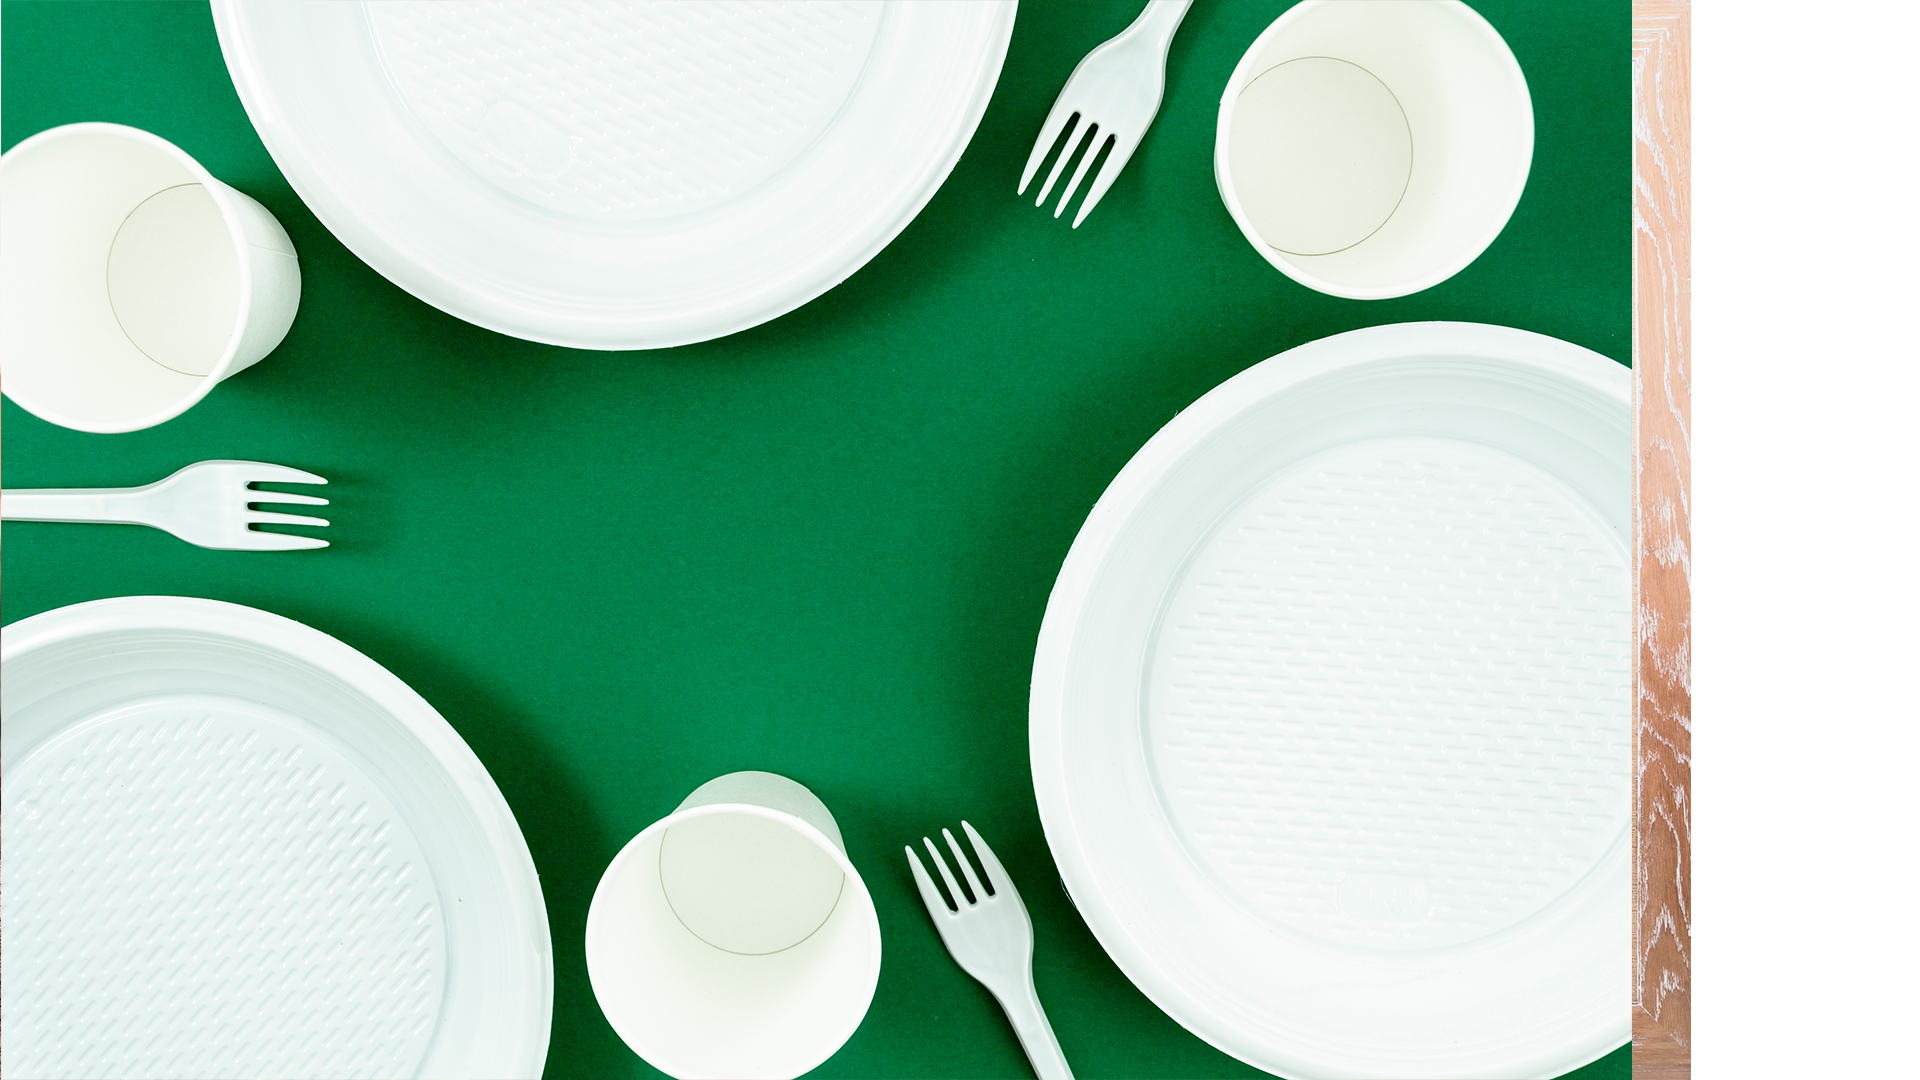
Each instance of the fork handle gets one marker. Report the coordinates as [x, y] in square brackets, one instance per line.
[113, 506]
[1036, 1034]
[1159, 20]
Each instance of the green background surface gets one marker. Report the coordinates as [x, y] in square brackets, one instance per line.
[820, 547]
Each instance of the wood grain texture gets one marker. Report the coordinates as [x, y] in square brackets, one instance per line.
[1663, 679]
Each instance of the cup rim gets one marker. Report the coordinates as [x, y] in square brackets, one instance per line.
[236, 235]
[1244, 74]
[864, 988]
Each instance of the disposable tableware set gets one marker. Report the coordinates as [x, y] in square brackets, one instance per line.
[1329, 708]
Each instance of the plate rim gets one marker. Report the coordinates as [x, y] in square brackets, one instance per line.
[264, 629]
[1105, 524]
[407, 271]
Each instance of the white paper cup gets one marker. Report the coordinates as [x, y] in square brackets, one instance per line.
[733, 938]
[131, 280]
[1373, 150]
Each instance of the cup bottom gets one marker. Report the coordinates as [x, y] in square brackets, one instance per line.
[747, 884]
[173, 280]
[1321, 155]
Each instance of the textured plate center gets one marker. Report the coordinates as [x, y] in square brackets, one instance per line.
[615, 111]
[198, 885]
[1388, 702]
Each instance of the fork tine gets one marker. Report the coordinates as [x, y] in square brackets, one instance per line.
[268, 517]
[263, 472]
[287, 497]
[272, 541]
[966, 867]
[1060, 119]
[1094, 147]
[946, 875]
[996, 874]
[929, 893]
[1091, 131]
[1109, 172]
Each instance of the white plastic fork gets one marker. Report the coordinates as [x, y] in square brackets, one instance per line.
[991, 937]
[209, 503]
[1112, 96]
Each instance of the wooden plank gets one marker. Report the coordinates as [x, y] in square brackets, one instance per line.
[1663, 928]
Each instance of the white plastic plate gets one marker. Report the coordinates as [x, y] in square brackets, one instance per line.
[237, 847]
[1330, 715]
[612, 175]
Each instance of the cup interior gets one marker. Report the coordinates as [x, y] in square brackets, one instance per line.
[733, 939]
[123, 279]
[1374, 150]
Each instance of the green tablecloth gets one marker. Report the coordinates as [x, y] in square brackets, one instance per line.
[820, 547]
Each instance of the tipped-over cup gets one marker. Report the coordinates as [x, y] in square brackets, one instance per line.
[1373, 150]
[733, 938]
[131, 280]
